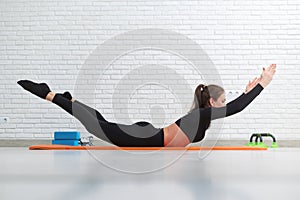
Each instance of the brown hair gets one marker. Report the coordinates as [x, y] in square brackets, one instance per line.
[203, 94]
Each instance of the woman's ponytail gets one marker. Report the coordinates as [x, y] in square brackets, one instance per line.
[203, 93]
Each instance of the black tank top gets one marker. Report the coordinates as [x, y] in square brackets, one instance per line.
[195, 123]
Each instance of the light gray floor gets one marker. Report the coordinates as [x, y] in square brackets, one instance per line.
[241, 175]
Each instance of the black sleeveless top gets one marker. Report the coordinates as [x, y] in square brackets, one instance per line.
[195, 123]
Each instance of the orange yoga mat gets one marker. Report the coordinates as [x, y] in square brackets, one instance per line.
[193, 148]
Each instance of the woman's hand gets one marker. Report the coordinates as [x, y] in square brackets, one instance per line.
[252, 84]
[267, 75]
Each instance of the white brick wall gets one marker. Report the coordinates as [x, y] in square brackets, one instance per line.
[49, 41]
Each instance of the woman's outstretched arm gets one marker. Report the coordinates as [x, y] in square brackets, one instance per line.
[253, 89]
[254, 82]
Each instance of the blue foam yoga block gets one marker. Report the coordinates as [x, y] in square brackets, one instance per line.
[66, 142]
[66, 135]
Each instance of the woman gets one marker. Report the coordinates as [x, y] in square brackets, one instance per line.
[209, 104]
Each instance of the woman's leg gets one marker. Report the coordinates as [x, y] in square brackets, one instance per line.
[87, 117]
[66, 105]
[137, 134]
[92, 111]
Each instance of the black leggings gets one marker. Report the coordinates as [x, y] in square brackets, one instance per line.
[139, 134]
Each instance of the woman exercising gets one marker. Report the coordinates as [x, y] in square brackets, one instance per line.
[209, 104]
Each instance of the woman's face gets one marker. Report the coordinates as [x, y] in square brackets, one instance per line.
[220, 102]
